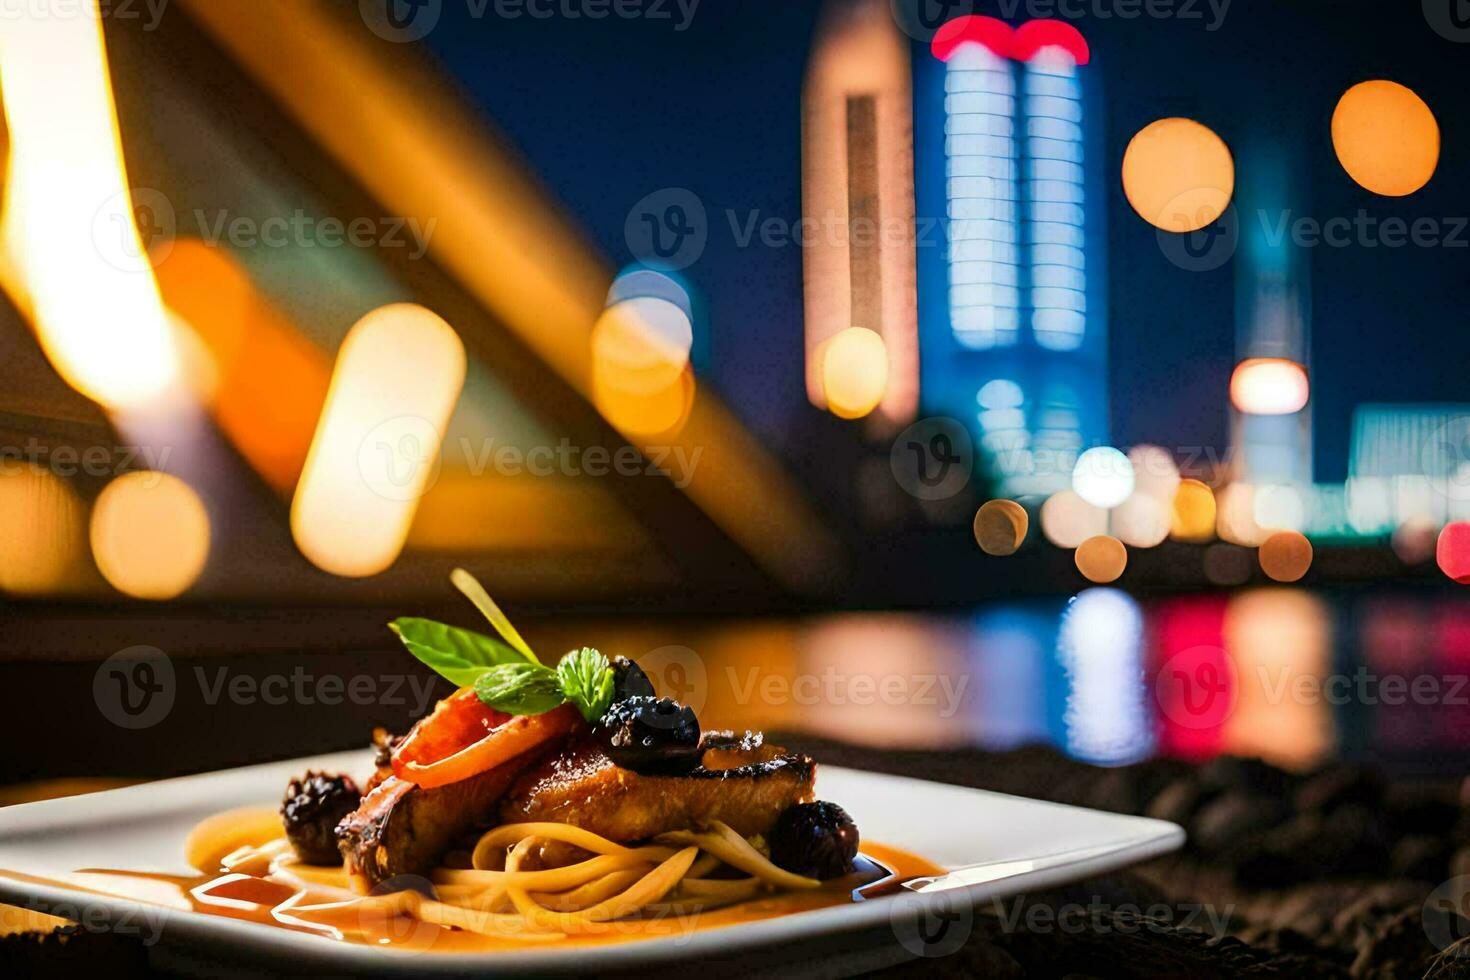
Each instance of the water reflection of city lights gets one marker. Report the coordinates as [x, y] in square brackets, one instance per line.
[1009, 650]
[1194, 679]
[885, 680]
[1279, 640]
[1100, 647]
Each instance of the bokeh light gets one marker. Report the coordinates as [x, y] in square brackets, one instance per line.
[1386, 138]
[1178, 174]
[1280, 508]
[1414, 540]
[75, 261]
[1453, 551]
[1235, 518]
[1269, 386]
[854, 372]
[150, 535]
[1103, 477]
[397, 379]
[1154, 472]
[642, 379]
[43, 531]
[1285, 556]
[1194, 512]
[1101, 559]
[1141, 521]
[1000, 527]
[1067, 520]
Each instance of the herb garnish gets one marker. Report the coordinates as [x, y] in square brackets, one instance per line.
[505, 673]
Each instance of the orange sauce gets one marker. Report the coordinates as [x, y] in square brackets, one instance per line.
[270, 903]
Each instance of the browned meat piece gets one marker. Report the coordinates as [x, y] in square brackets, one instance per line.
[742, 781]
[402, 829]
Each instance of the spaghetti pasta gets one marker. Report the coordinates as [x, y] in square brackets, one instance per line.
[505, 893]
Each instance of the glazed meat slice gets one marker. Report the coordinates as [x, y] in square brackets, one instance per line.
[741, 781]
[403, 829]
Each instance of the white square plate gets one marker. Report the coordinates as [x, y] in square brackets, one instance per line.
[997, 845]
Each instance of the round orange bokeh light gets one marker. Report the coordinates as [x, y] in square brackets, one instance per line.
[1178, 174]
[1101, 559]
[1385, 137]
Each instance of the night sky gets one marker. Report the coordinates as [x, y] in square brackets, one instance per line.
[608, 111]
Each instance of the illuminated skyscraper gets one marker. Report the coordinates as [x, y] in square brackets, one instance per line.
[1019, 350]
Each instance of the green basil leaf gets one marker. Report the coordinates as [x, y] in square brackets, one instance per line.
[587, 680]
[520, 688]
[459, 656]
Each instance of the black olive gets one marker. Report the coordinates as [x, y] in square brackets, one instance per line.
[313, 807]
[818, 840]
[651, 735]
[629, 681]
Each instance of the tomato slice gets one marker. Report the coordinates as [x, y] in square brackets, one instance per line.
[460, 720]
[517, 736]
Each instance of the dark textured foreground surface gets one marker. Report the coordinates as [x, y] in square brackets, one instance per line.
[1338, 873]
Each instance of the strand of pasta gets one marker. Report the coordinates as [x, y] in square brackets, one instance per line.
[495, 841]
[557, 879]
[737, 852]
[650, 888]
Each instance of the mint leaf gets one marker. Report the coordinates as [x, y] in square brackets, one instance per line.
[459, 656]
[587, 680]
[519, 688]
